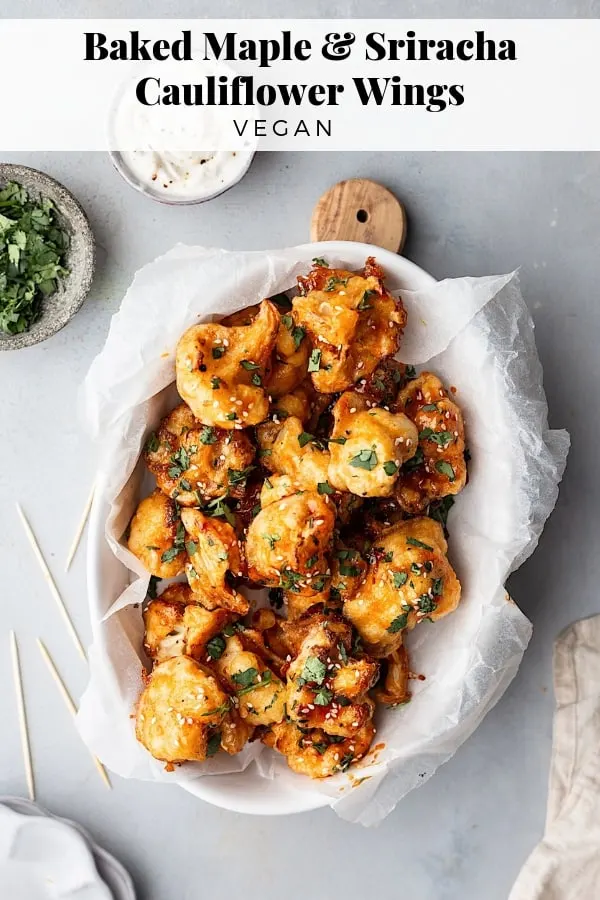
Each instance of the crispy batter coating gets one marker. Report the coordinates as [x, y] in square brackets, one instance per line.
[383, 384]
[409, 580]
[290, 359]
[376, 444]
[287, 450]
[439, 469]
[180, 708]
[352, 322]
[327, 688]
[213, 551]
[260, 693]
[291, 352]
[288, 541]
[298, 403]
[191, 461]
[156, 536]
[315, 753]
[177, 625]
[221, 371]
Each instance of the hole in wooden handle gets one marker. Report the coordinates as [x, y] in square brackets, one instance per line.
[362, 215]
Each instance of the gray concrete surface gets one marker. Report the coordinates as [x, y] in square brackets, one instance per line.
[467, 831]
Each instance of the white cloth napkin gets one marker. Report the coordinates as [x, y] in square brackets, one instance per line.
[566, 864]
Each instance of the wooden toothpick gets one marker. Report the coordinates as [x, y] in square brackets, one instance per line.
[69, 704]
[80, 529]
[51, 583]
[25, 745]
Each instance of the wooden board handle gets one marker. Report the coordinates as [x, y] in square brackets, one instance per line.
[360, 210]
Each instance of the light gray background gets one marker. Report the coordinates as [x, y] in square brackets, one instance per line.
[467, 831]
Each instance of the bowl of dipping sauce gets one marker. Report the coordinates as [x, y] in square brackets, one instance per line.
[150, 145]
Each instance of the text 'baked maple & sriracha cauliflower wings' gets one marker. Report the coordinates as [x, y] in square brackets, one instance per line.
[306, 460]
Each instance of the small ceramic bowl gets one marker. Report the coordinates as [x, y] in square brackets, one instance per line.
[61, 306]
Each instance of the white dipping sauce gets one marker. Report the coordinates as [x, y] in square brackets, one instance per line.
[186, 175]
[153, 147]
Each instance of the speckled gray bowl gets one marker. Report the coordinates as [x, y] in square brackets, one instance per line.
[60, 307]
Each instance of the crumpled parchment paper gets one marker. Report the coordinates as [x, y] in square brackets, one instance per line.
[477, 334]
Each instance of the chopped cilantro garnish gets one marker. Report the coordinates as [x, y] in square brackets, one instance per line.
[416, 543]
[217, 352]
[398, 623]
[215, 383]
[153, 443]
[232, 416]
[271, 539]
[427, 604]
[207, 435]
[440, 508]
[249, 366]
[290, 580]
[170, 554]
[349, 571]
[314, 363]
[32, 252]
[314, 671]
[214, 744]
[239, 476]
[319, 261]
[414, 462]
[365, 459]
[399, 578]
[429, 407]
[323, 697]
[305, 438]
[215, 648]
[191, 547]
[444, 468]
[390, 467]
[217, 508]
[364, 302]
[323, 487]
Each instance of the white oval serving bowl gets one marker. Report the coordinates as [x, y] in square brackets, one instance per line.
[107, 578]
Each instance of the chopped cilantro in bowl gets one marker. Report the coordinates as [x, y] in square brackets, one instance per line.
[33, 246]
[47, 256]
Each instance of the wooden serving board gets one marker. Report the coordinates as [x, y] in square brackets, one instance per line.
[360, 210]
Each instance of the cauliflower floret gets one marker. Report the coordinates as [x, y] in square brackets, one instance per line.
[180, 709]
[326, 687]
[260, 693]
[393, 691]
[315, 753]
[290, 359]
[410, 579]
[191, 461]
[177, 625]
[298, 403]
[213, 551]
[156, 536]
[352, 322]
[439, 468]
[221, 371]
[287, 542]
[288, 450]
[375, 443]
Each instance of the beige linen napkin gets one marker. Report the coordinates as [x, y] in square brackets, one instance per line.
[566, 864]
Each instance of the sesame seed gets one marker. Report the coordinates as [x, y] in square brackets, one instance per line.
[352, 409]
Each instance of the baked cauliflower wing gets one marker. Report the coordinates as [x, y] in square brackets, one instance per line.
[260, 694]
[156, 536]
[327, 688]
[191, 462]
[179, 710]
[213, 551]
[374, 445]
[288, 450]
[315, 753]
[287, 543]
[221, 370]
[352, 322]
[409, 579]
[176, 625]
[439, 468]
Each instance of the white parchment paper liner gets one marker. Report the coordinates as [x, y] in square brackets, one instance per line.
[476, 333]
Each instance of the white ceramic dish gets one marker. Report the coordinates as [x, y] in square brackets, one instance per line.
[44, 857]
[107, 578]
